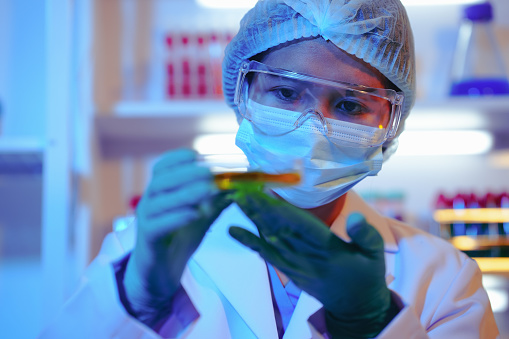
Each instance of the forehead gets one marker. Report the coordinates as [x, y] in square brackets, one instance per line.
[323, 59]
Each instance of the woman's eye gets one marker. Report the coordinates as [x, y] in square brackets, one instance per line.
[285, 93]
[349, 106]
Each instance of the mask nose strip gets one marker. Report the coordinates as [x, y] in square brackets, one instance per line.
[304, 116]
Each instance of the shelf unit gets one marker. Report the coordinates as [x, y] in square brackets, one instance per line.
[21, 155]
[488, 113]
[137, 129]
[37, 131]
[479, 247]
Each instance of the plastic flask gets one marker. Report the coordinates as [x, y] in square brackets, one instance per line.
[478, 67]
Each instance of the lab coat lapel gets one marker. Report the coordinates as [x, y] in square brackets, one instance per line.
[354, 203]
[239, 273]
[299, 326]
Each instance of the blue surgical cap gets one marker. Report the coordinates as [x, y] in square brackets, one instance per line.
[375, 31]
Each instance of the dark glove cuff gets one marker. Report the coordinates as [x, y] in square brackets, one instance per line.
[361, 327]
[155, 320]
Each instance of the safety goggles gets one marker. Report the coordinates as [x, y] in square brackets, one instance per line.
[300, 99]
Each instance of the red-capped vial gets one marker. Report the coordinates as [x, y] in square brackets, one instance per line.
[133, 203]
[490, 200]
[503, 200]
[169, 41]
[459, 201]
[472, 201]
[443, 202]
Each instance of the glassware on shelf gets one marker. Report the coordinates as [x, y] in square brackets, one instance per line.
[193, 65]
[459, 227]
[475, 223]
[478, 67]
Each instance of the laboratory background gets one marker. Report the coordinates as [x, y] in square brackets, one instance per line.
[92, 91]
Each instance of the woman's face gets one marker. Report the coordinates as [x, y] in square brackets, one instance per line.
[321, 59]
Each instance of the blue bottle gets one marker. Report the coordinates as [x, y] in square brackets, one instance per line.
[478, 67]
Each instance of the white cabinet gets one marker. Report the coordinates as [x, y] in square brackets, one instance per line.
[36, 91]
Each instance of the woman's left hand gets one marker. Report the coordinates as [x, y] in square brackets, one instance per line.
[347, 278]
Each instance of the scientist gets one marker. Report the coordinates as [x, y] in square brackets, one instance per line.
[329, 82]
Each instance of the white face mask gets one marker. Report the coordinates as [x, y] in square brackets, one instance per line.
[330, 167]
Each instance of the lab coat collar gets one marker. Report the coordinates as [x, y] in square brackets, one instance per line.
[239, 273]
[298, 326]
[354, 203]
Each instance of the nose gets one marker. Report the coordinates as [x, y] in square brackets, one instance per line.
[309, 113]
[319, 101]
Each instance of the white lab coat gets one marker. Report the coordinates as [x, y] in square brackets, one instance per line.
[229, 286]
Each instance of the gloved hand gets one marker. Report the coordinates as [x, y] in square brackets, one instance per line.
[173, 215]
[347, 278]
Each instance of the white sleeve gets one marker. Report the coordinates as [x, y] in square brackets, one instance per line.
[95, 309]
[463, 311]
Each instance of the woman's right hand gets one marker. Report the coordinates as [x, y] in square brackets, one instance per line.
[175, 212]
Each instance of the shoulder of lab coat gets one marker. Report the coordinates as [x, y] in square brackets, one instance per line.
[440, 288]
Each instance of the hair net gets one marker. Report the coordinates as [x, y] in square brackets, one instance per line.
[376, 31]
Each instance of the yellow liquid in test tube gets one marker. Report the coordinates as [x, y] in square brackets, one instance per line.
[254, 180]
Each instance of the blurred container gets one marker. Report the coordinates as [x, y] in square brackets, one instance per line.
[478, 224]
[216, 49]
[122, 222]
[202, 76]
[193, 65]
[390, 203]
[443, 201]
[171, 67]
[188, 48]
[490, 201]
[458, 203]
[504, 203]
[478, 67]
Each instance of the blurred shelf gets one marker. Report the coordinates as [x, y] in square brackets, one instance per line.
[488, 113]
[479, 243]
[20, 145]
[170, 108]
[495, 102]
[20, 156]
[493, 265]
[472, 215]
[138, 128]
